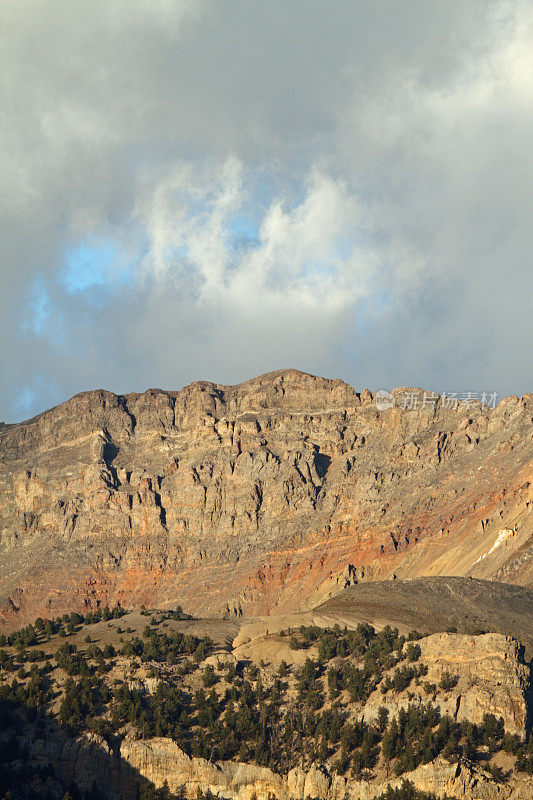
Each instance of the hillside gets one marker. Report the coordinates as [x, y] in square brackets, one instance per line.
[438, 604]
[260, 498]
[152, 705]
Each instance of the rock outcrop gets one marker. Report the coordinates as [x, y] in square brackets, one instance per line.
[257, 498]
[489, 676]
[492, 677]
[88, 761]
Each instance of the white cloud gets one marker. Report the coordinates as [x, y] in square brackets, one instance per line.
[307, 251]
[377, 157]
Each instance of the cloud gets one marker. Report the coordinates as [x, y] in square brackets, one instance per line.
[305, 249]
[196, 190]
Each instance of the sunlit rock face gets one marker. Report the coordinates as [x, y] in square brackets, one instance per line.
[264, 497]
[88, 761]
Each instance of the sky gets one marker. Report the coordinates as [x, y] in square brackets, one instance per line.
[213, 189]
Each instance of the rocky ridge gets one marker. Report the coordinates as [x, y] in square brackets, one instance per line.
[258, 498]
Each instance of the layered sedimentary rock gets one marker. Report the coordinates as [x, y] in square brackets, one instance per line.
[257, 498]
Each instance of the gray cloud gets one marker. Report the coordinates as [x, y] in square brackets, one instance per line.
[344, 188]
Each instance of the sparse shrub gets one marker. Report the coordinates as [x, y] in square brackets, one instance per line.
[448, 681]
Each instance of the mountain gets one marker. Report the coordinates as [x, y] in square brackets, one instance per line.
[262, 498]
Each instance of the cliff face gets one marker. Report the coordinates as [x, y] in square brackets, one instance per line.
[490, 678]
[88, 761]
[157, 758]
[257, 498]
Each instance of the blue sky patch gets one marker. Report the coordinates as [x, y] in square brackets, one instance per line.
[89, 265]
[244, 229]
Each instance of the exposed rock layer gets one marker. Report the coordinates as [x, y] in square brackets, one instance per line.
[257, 498]
[491, 678]
[88, 760]
[437, 603]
